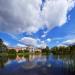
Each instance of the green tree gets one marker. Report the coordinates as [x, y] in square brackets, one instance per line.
[20, 51]
[46, 50]
[12, 52]
[1, 42]
[3, 47]
[26, 51]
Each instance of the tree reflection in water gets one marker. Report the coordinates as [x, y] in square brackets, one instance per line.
[43, 64]
[3, 60]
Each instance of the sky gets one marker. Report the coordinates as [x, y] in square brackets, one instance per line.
[38, 23]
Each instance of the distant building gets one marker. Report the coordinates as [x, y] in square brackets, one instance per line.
[30, 48]
[17, 48]
[23, 48]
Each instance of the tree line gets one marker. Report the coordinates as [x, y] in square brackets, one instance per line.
[55, 50]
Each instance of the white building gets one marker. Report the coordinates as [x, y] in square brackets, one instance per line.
[30, 48]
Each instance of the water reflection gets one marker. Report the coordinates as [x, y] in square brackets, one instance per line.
[37, 65]
[3, 60]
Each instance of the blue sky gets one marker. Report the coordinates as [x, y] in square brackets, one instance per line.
[52, 25]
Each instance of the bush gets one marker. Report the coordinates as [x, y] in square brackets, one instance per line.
[12, 51]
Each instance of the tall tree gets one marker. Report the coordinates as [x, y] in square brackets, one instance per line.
[1, 42]
[3, 47]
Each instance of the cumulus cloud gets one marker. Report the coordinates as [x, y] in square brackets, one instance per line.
[61, 45]
[25, 15]
[71, 41]
[20, 15]
[33, 42]
[42, 44]
[55, 12]
[67, 42]
[48, 40]
[44, 34]
[6, 43]
[20, 45]
[29, 41]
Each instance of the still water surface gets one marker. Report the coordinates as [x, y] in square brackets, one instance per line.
[37, 65]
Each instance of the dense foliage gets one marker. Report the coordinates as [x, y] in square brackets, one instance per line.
[55, 50]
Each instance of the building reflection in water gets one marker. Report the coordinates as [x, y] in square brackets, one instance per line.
[32, 61]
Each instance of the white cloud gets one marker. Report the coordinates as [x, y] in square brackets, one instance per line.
[33, 42]
[20, 15]
[29, 41]
[26, 16]
[67, 42]
[61, 45]
[20, 45]
[48, 40]
[71, 41]
[55, 12]
[6, 43]
[42, 44]
[44, 35]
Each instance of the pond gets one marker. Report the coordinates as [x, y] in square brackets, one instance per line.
[37, 65]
